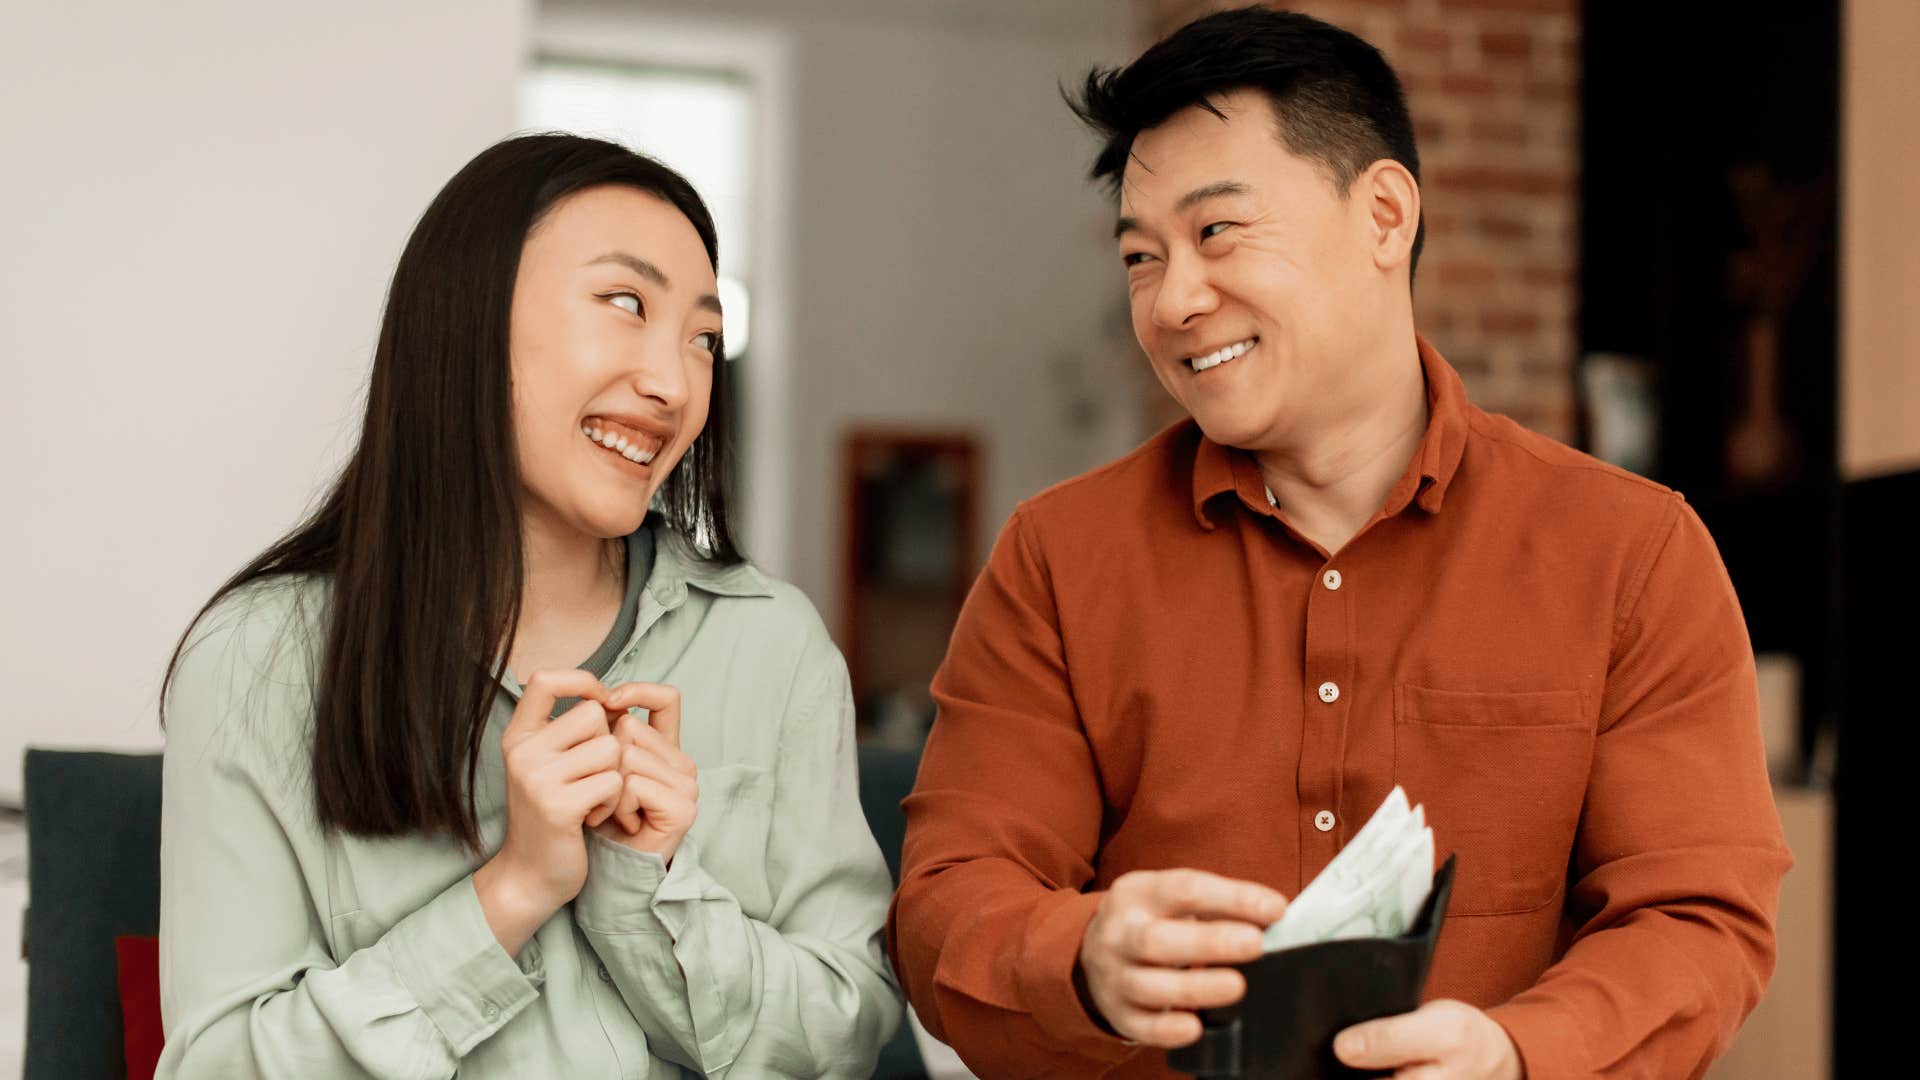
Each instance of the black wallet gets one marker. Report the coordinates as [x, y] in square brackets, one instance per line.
[1298, 999]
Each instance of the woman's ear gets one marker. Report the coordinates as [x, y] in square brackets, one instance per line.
[1392, 200]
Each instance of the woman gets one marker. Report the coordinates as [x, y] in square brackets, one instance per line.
[412, 824]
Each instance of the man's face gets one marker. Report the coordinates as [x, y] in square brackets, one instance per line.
[1250, 276]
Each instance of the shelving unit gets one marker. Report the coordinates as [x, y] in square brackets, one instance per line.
[1709, 240]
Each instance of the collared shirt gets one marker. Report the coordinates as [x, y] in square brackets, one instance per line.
[1157, 670]
[290, 951]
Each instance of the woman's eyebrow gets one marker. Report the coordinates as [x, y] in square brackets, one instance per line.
[654, 274]
[636, 264]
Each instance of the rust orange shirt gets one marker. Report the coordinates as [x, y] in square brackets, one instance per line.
[1155, 670]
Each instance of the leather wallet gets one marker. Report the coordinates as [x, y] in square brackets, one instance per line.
[1298, 999]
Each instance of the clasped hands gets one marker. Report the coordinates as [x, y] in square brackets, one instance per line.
[596, 766]
[1159, 948]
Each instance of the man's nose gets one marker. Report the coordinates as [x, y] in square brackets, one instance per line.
[1185, 294]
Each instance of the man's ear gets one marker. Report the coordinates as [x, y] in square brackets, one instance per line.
[1391, 198]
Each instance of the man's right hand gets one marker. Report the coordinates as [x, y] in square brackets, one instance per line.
[1152, 954]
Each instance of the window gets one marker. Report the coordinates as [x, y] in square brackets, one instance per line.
[700, 123]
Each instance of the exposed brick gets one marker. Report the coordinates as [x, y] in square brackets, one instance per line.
[1512, 181]
[1494, 85]
[1504, 228]
[1470, 363]
[1425, 39]
[1500, 132]
[1543, 6]
[1426, 129]
[1509, 322]
[1551, 91]
[1467, 83]
[1465, 273]
[1504, 45]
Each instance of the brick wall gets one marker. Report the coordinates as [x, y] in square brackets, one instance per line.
[1494, 90]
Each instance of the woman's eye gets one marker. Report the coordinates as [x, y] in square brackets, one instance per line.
[626, 302]
[709, 341]
[1215, 229]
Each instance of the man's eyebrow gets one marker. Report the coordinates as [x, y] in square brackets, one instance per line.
[1211, 191]
[645, 269]
[1187, 202]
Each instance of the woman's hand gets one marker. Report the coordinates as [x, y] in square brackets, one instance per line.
[660, 792]
[558, 772]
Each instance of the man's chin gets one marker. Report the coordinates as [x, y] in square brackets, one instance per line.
[1239, 432]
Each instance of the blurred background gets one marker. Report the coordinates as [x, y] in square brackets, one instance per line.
[1683, 240]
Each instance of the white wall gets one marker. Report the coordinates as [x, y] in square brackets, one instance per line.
[946, 252]
[204, 200]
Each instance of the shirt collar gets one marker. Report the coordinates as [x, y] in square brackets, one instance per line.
[1219, 469]
[677, 565]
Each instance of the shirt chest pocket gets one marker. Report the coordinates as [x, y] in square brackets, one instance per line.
[1503, 777]
[730, 832]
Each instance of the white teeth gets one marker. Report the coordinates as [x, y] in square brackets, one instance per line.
[619, 444]
[1221, 355]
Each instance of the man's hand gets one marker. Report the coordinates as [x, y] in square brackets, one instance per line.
[1151, 954]
[1442, 1040]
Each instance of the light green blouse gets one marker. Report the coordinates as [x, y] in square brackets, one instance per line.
[289, 951]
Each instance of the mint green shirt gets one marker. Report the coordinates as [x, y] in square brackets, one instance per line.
[290, 951]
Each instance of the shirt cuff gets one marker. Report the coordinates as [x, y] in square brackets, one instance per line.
[621, 887]
[447, 957]
[1049, 956]
[1548, 1044]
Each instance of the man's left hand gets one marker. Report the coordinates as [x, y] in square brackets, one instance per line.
[1442, 1040]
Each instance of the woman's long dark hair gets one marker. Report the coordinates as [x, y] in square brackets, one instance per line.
[420, 536]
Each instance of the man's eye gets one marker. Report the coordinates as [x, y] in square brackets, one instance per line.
[1215, 229]
[1135, 258]
[626, 302]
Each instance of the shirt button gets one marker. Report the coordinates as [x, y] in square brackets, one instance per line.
[1323, 821]
[605, 975]
[1331, 579]
[490, 1011]
[1329, 692]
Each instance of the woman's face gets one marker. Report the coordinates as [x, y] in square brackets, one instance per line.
[614, 331]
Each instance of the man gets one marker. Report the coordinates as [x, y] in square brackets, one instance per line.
[1185, 679]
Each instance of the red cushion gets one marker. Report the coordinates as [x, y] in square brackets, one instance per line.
[140, 1003]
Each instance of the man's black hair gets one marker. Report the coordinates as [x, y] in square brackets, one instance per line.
[1338, 102]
